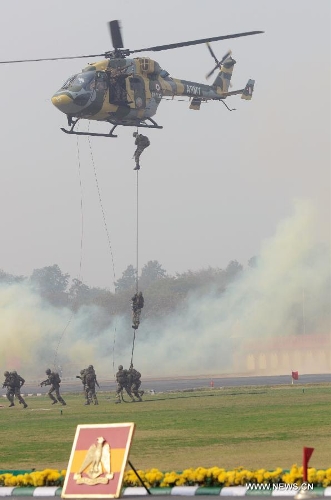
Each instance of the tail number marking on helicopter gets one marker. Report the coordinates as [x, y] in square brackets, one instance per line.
[192, 89]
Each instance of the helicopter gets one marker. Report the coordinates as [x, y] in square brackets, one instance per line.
[127, 91]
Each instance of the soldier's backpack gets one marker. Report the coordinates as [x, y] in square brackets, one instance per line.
[57, 379]
[14, 379]
[136, 375]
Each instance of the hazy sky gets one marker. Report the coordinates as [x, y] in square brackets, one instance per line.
[214, 185]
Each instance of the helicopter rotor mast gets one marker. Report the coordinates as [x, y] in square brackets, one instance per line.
[120, 52]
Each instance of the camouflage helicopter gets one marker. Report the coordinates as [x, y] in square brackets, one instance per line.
[127, 91]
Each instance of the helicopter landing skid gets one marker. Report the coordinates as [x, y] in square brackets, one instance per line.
[140, 124]
[95, 134]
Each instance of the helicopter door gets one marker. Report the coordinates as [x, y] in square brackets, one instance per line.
[138, 86]
[117, 90]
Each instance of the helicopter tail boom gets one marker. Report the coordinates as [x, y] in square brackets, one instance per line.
[246, 93]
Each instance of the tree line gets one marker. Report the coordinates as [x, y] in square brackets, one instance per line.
[164, 292]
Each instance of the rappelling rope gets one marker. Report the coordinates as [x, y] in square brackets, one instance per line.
[81, 250]
[108, 239]
[137, 255]
[137, 240]
[134, 338]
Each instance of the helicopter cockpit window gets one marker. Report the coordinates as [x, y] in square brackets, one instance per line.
[80, 81]
[68, 82]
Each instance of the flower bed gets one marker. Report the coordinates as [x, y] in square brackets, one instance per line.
[212, 477]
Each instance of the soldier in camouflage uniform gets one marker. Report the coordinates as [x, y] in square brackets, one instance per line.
[82, 376]
[122, 383]
[142, 142]
[91, 382]
[137, 305]
[54, 381]
[135, 382]
[13, 382]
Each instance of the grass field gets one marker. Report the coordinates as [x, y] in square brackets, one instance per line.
[253, 427]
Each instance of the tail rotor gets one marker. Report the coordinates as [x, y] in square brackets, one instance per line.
[218, 63]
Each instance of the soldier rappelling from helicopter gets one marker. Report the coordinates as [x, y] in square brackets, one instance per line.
[137, 303]
[142, 142]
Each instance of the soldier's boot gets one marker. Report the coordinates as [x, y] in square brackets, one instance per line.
[11, 404]
[118, 398]
[55, 402]
[23, 403]
[96, 402]
[137, 167]
[63, 403]
[86, 403]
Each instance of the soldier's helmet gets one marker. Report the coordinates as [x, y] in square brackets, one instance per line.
[6, 374]
[90, 367]
[48, 371]
[135, 134]
[14, 372]
[120, 367]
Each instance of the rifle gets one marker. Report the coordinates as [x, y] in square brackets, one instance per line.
[44, 382]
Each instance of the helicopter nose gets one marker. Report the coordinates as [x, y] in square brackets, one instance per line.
[62, 102]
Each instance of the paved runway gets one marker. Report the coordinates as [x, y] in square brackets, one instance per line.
[182, 384]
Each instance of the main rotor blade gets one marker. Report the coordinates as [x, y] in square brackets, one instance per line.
[115, 33]
[195, 42]
[51, 59]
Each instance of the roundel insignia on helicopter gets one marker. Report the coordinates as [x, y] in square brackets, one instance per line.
[127, 92]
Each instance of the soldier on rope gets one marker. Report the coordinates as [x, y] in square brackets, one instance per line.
[53, 379]
[142, 142]
[122, 379]
[137, 303]
[13, 382]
